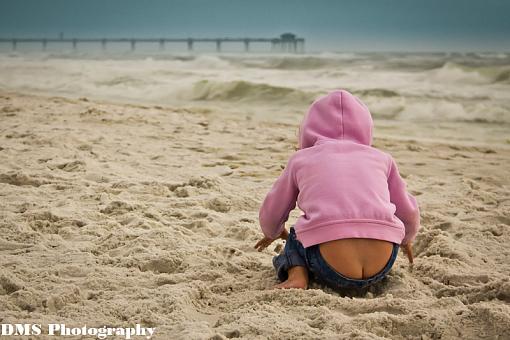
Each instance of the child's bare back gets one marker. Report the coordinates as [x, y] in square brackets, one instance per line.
[356, 258]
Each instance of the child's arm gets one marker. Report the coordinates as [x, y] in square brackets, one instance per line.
[278, 204]
[407, 207]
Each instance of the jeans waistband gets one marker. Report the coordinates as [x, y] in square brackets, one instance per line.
[314, 251]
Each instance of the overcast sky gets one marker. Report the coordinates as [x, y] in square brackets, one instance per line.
[327, 25]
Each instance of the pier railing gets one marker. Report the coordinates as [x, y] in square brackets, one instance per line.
[286, 42]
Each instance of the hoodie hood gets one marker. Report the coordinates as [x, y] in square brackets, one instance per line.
[338, 115]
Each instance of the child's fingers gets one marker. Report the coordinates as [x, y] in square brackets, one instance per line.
[410, 253]
[408, 250]
[258, 243]
[262, 247]
[262, 244]
[261, 241]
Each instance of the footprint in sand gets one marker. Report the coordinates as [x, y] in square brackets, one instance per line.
[9, 245]
[196, 224]
[9, 284]
[240, 232]
[72, 166]
[49, 223]
[117, 208]
[219, 204]
[20, 179]
[182, 192]
[489, 290]
[165, 263]
[10, 110]
[443, 225]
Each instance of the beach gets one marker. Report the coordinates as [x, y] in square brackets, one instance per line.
[132, 197]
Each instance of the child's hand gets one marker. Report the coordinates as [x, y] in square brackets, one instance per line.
[265, 242]
[408, 250]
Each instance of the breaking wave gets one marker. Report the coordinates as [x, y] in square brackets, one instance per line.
[453, 72]
[292, 63]
[245, 91]
[376, 93]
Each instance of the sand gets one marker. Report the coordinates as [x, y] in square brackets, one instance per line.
[116, 214]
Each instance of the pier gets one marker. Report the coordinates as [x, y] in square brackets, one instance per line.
[286, 42]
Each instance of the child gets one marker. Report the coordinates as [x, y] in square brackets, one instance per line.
[356, 210]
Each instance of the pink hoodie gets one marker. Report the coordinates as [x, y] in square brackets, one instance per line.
[345, 187]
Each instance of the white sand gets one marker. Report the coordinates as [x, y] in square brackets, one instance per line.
[121, 214]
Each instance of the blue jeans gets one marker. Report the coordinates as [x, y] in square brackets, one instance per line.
[294, 254]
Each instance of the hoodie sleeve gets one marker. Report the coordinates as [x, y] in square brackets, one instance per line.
[407, 207]
[278, 204]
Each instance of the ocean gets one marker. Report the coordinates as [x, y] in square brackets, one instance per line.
[442, 90]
